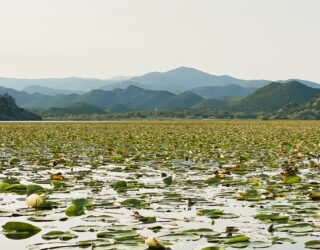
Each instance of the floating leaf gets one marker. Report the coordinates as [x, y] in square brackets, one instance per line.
[275, 217]
[120, 186]
[52, 235]
[213, 248]
[168, 180]
[279, 240]
[292, 179]
[20, 230]
[147, 219]
[74, 210]
[212, 181]
[237, 239]
[34, 189]
[312, 244]
[134, 203]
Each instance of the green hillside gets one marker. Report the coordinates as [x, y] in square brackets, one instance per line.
[213, 104]
[182, 101]
[76, 108]
[307, 111]
[45, 102]
[275, 96]
[9, 111]
[218, 92]
[117, 108]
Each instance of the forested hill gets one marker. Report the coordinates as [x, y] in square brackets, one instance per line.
[9, 111]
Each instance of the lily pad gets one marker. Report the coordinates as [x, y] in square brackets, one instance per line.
[19, 230]
[312, 244]
[168, 180]
[237, 239]
[134, 203]
[292, 179]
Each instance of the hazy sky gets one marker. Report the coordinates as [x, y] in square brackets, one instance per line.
[270, 39]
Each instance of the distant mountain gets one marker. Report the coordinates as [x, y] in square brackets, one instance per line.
[121, 85]
[117, 108]
[49, 91]
[9, 111]
[185, 100]
[132, 97]
[177, 81]
[75, 108]
[276, 95]
[120, 78]
[210, 104]
[218, 92]
[69, 83]
[307, 83]
[271, 97]
[20, 97]
[45, 102]
[183, 78]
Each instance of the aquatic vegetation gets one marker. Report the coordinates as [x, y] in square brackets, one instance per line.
[35, 201]
[182, 185]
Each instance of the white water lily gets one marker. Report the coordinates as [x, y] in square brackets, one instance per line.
[153, 243]
[35, 201]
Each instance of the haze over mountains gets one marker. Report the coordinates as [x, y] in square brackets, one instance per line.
[179, 89]
[177, 81]
[49, 91]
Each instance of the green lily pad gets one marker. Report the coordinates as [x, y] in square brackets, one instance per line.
[74, 210]
[296, 228]
[134, 203]
[237, 239]
[292, 179]
[19, 230]
[78, 207]
[213, 248]
[148, 219]
[279, 240]
[67, 236]
[20, 226]
[168, 180]
[120, 186]
[312, 244]
[272, 217]
[34, 189]
[213, 181]
[52, 235]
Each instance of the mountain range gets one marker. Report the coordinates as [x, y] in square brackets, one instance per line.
[183, 78]
[269, 98]
[190, 89]
[32, 89]
[176, 81]
[132, 98]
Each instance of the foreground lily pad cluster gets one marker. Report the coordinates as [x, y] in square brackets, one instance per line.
[160, 185]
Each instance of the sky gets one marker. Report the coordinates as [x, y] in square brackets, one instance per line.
[248, 39]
